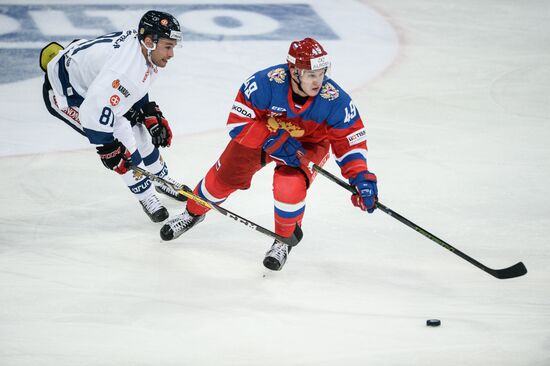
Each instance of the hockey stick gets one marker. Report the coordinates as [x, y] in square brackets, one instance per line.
[516, 270]
[291, 241]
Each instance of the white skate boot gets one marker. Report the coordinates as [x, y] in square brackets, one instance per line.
[154, 209]
[275, 257]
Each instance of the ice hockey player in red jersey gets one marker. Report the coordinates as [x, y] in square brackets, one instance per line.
[289, 114]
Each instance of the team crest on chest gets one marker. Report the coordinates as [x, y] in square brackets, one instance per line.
[328, 91]
[278, 121]
[278, 75]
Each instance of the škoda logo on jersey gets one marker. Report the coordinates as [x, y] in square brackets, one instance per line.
[116, 85]
[242, 110]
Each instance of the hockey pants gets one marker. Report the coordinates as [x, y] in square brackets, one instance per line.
[236, 167]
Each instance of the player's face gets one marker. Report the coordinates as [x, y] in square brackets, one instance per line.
[311, 81]
[163, 52]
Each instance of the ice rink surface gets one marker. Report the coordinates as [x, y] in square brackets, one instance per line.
[456, 98]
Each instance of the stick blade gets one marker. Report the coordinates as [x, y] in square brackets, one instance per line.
[295, 238]
[516, 270]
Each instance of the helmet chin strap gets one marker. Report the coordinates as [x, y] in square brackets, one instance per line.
[149, 51]
[299, 82]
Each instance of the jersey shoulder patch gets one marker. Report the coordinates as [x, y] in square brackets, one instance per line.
[329, 91]
[277, 75]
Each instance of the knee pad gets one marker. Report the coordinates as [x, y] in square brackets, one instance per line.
[289, 184]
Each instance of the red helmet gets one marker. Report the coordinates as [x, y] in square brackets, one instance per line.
[307, 54]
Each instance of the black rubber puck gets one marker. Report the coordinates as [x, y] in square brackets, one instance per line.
[433, 322]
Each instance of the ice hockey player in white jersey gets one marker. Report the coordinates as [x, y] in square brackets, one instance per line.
[100, 88]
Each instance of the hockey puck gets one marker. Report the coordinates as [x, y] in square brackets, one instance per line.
[433, 322]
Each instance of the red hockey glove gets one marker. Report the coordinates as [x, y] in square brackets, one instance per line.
[365, 183]
[115, 156]
[284, 148]
[157, 125]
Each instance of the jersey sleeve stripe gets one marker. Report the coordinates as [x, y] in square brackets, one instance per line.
[356, 154]
[236, 128]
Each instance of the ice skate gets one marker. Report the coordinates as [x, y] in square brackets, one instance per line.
[178, 225]
[275, 257]
[153, 208]
[165, 189]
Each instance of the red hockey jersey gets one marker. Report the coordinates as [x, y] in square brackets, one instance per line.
[264, 104]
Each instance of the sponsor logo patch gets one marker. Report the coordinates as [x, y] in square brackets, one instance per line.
[141, 187]
[357, 137]
[319, 62]
[242, 110]
[116, 85]
[69, 111]
[114, 100]
[119, 40]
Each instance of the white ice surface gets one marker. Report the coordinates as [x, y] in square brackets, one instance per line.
[458, 136]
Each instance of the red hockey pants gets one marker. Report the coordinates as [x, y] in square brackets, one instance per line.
[235, 169]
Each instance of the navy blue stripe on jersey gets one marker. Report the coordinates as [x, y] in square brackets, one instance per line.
[107, 38]
[98, 137]
[54, 110]
[73, 98]
[140, 103]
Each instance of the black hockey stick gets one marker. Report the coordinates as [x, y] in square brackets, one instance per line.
[516, 270]
[291, 241]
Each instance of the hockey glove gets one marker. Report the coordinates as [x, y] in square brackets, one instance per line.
[135, 116]
[115, 156]
[365, 184]
[283, 147]
[157, 125]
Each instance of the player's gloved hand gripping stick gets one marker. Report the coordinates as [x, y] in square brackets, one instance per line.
[366, 191]
[291, 241]
[157, 125]
[516, 270]
[114, 156]
[284, 148]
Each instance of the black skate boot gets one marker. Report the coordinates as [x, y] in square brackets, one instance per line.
[164, 189]
[275, 257]
[153, 208]
[178, 225]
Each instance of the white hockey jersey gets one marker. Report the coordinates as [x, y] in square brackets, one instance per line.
[102, 78]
